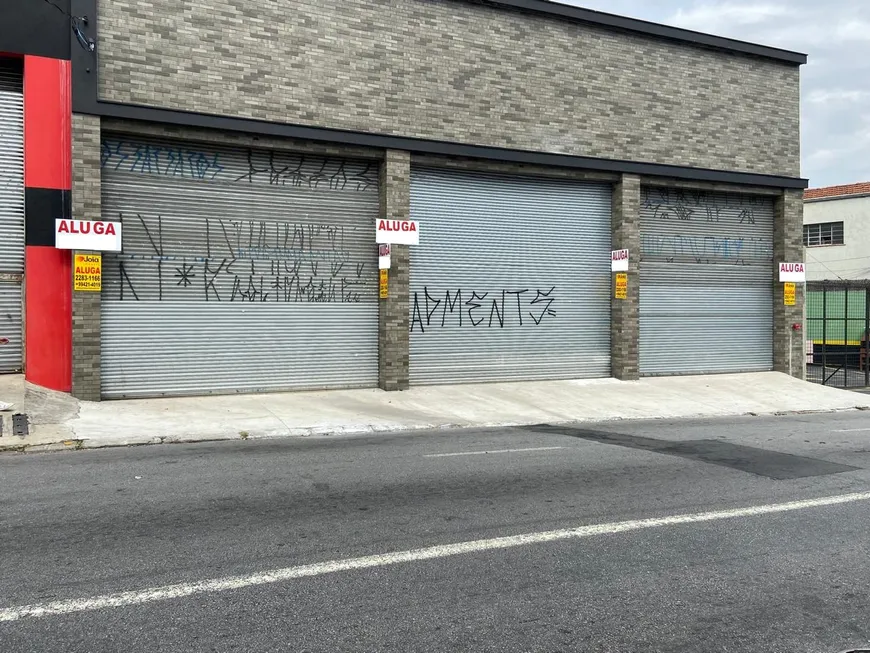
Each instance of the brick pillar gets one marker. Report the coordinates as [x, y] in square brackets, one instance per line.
[788, 246]
[393, 312]
[624, 323]
[86, 304]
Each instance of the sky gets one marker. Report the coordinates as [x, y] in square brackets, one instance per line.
[835, 84]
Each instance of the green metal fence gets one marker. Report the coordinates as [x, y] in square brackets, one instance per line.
[837, 328]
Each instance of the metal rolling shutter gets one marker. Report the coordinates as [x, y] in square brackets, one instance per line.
[11, 214]
[242, 270]
[706, 282]
[511, 279]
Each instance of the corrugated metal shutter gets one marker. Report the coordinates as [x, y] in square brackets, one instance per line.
[706, 282]
[511, 279]
[11, 214]
[242, 270]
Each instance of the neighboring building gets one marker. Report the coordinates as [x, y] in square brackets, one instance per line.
[837, 245]
[248, 148]
[837, 232]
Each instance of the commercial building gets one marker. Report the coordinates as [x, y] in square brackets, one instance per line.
[837, 243]
[837, 232]
[248, 148]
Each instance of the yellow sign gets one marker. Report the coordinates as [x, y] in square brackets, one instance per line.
[384, 285]
[88, 273]
[788, 294]
[621, 291]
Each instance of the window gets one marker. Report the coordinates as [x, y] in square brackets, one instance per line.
[825, 233]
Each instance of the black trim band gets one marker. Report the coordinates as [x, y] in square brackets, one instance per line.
[41, 207]
[37, 28]
[85, 100]
[625, 24]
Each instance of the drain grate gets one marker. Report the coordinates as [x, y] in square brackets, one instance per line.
[19, 424]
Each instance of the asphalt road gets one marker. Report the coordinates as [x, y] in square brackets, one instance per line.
[326, 518]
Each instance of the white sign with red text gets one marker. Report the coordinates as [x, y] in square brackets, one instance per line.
[619, 260]
[94, 235]
[397, 232]
[794, 272]
[383, 256]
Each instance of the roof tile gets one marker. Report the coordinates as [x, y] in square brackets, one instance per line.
[836, 191]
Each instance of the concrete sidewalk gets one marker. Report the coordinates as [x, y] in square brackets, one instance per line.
[57, 421]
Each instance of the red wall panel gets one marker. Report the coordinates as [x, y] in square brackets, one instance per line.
[48, 324]
[47, 123]
[48, 175]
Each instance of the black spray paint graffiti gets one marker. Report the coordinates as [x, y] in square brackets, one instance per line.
[261, 166]
[432, 309]
[686, 205]
[747, 216]
[234, 280]
[660, 198]
[242, 261]
[652, 197]
[282, 169]
[261, 239]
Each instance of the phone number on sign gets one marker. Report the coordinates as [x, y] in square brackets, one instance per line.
[87, 282]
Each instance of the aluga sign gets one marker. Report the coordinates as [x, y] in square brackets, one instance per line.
[94, 235]
[619, 260]
[793, 272]
[397, 232]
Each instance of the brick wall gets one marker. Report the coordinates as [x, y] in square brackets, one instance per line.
[788, 246]
[624, 313]
[393, 318]
[395, 203]
[457, 71]
[86, 305]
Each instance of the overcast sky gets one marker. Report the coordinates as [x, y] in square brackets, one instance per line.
[835, 84]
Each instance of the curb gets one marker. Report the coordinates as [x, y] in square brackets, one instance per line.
[83, 443]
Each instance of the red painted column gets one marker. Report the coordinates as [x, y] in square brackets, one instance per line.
[47, 195]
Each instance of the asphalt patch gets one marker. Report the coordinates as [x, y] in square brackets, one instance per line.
[762, 462]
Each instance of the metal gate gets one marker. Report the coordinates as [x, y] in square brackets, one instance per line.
[11, 215]
[511, 279]
[838, 331]
[242, 270]
[706, 282]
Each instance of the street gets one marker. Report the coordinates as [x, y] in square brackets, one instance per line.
[589, 537]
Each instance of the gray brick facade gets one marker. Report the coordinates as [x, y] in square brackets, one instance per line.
[86, 202]
[393, 328]
[789, 344]
[458, 71]
[393, 313]
[624, 313]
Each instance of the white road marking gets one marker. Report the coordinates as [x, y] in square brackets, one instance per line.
[479, 453]
[849, 430]
[138, 597]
